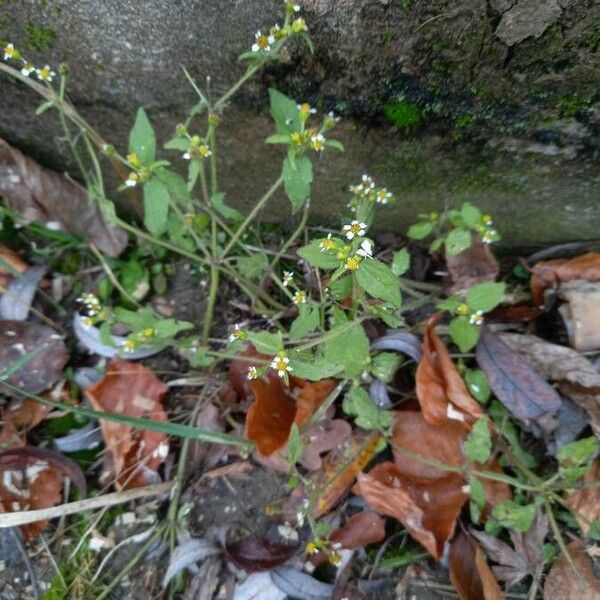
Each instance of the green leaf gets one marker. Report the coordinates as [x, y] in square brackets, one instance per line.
[268, 343]
[168, 328]
[594, 530]
[401, 262]
[485, 296]
[368, 416]
[514, 516]
[141, 139]
[156, 206]
[385, 365]
[463, 333]
[335, 144]
[478, 385]
[577, 454]
[341, 288]
[254, 266]
[471, 215]
[178, 143]
[295, 446]
[321, 259]
[477, 491]
[278, 138]
[231, 214]
[421, 230]
[306, 322]
[457, 240]
[285, 112]
[176, 186]
[378, 280]
[316, 369]
[135, 279]
[450, 304]
[478, 445]
[350, 348]
[43, 107]
[193, 172]
[297, 180]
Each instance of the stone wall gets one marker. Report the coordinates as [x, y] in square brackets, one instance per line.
[443, 101]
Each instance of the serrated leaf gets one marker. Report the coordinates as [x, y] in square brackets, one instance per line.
[319, 258]
[156, 206]
[297, 179]
[378, 280]
[285, 112]
[457, 240]
[306, 321]
[357, 402]
[514, 516]
[295, 446]
[421, 230]
[335, 144]
[464, 333]
[268, 343]
[316, 370]
[178, 143]
[218, 203]
[141, 139]
[254, 266]
[401, 262]
[349, 348]
[485, 296]
[278, 138]
[470, 214]
[478, 385]
[478, 445]
[385, 365]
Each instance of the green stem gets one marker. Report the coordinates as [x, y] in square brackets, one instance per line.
[223, 99]
[252, 215]
[297, 233]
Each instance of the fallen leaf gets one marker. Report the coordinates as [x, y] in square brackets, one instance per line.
[581, 315]
[322, 437]
[271, 415]
[186, 554]
[551, 273]
[586, 501]
[525, 559]
[469, 572]
[441, 391]
[48, 356]
[300, 585]
[254, 555]
[427, 508]
[522, 391]
[562, 583]
[10, 264]
[362, 528]
[574, 373]
[25, 412]
[474, 265]
[310, 398]
[42, 195]
[133, 390]
[339, 472]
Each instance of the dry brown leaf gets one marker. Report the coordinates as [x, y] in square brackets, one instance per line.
[42, 195]
[322, 437]
[581, 314]
[441, 391]
[562, 583]
[586, 501]
[427, 508]
[10, 262]
[574, 374]
[469, 572]
[131, 389]
[362, 528]
[474, 265]
[551, 273]
[25, 412]
[310, 398]
[48, 356]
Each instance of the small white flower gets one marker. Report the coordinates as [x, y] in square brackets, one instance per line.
[45, 74]
[355, 228]
[333, 116]
[299, 298]
[368, 183]
[237, 334]
[296, 8]
[10, 52]
[263, 42]
[132, 180]
[281, 364]
[327, 243]
[187, 156]
[488, 236]
[476, 318]
[252, 373]
[288, 277]
[27, 69]
[383, 196]
[317, 142]
[307, 108]
[366, 249]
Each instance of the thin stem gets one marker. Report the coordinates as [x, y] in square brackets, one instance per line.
[297, 233]
[252, 215]
[220, 103]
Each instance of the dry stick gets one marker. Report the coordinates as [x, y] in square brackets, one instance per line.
[31, 516]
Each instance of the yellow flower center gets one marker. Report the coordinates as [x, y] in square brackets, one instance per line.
[327, 244]
[352, 263]
[281, 365]
[134, 160]
[355, 228]
[462, 309]
[204, 151]
[262, 41]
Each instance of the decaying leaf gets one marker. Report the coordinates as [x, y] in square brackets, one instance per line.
[525, 559]
[427, 508]
[252, 554]
[551, 273]
[573, 372]
[131, 389]
[581, 314]
[44, 365]
[564, 584]
[362, 528]
[32, 478]
[441, 391]
[474, 265]
[469, 571]
[339, 471]
[322, 437]
[42, 195]
[25, 412]
[522, 391]
[10, 264]
[586, 501]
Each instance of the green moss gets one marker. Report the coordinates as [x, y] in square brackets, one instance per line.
[38, 38]
[403, 113]
[570, 104]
